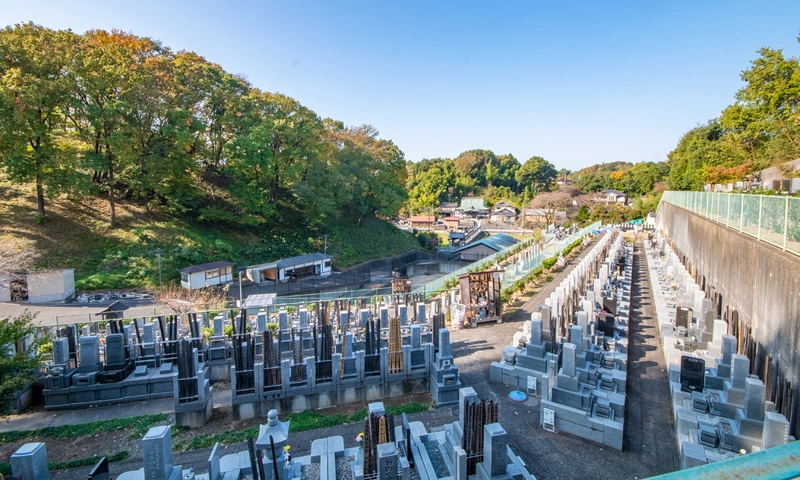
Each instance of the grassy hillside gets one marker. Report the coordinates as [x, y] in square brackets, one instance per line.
[77, 236]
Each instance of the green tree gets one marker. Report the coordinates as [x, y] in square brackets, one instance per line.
[35, 81]
[536, 172]
[18, 365]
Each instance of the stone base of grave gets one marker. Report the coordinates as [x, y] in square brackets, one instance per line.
[246, 411]
[194, 416]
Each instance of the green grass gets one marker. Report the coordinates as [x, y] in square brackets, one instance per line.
[138, 426]
[300, 422]
[5, 467]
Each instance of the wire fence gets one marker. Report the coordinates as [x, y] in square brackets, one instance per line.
[528, 259]
[769, 218]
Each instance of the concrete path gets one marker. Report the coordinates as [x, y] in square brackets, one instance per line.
[649, 439]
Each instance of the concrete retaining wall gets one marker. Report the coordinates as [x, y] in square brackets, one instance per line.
[759, 281]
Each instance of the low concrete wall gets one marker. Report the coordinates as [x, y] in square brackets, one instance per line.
[760, 282]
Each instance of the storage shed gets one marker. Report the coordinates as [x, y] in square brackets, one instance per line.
[292, 268]
[206, 275]
[51, 286]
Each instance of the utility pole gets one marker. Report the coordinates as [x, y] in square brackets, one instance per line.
[326, 245]
[240, 288]
[160, 282]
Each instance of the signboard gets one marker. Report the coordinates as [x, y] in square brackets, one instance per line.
[549, 419]
[531, 385]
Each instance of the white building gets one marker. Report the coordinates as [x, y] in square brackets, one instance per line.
[51, 286]
[206, 275]
[293, 268]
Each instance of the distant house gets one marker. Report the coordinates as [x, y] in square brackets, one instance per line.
[545, 215]
[501, 205]
[611, 196]
[292, 268]
[504, 215]
[485, 247]
[447, 209]
[451, 223]
[473, 208]
[455, 238]
[206, 275]
[564, 181]
[422, 221]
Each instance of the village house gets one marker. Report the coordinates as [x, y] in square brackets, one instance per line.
[312, 264]
[206, 275]
[472, 208]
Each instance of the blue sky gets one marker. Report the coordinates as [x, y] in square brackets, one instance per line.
[578, 83]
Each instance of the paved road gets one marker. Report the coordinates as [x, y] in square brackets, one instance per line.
[649, 439]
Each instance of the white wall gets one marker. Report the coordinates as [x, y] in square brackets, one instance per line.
[51, 286]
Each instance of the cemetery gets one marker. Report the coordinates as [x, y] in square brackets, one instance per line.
[290, 359]
[720, 408]
[474, 446]
[573, 353]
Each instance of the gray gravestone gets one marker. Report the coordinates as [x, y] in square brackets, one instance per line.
[741, 370]
[387, 461]
[536, 331]
[303, 317]
[219, 326]
[495, 457]
[583, 319]
[85, 331]
[344, 318]
[30, 462]
[576, 338]
[61, 350]
[728, 348]
[90, 353]
[384, 317]
[157, 453]
[466, 394]
[213, 464]
[283, 319]
[421, 313]
[445, 348]
[115, 349]
[148, 332]
[547, 313]
[415, 337]
[348, 338]
[568, 359]
[754, 396]
[363, 317]
[261, 320]
[402, 312]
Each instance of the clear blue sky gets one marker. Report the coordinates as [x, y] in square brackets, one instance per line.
[575, 82]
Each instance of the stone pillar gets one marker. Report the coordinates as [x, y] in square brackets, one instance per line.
[741, 370]
[261, 320]
[466, 394]
[568, 359]
[384, 314]
[583, 319]
[213, 464]
[536, 331]
[754, 396]
[576, 338]
[30, 461]
[495, 457]
[728, 348]
[387, 461]
[415, 337]
[157, 453]
[283, 319]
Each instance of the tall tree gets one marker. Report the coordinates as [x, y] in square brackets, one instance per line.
[35, 86]
[536, 172]
[111, 76]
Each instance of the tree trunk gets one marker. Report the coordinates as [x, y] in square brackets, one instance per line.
[40, 198]
[111, 201]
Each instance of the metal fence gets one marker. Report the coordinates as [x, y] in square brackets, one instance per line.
[529, 258]
[769, 218]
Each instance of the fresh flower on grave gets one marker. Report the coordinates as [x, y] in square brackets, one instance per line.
[360, 439]
[287, 453]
